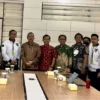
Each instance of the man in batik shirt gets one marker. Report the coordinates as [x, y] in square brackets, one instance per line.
[79, 57]
[64, 55]
[30, 52]
[48, 55]
[86, 41]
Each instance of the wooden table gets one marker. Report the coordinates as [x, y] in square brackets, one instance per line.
[14, 90]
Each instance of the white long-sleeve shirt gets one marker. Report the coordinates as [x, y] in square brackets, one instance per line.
[94, 55]
[10, 50]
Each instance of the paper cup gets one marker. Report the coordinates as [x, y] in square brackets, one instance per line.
[7, 69]
[4, 75]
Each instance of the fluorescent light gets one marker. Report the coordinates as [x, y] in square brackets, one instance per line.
[58, 11]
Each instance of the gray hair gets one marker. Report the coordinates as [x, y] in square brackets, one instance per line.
[30, 33]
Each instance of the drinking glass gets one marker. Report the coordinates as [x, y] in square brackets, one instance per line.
[56, 74]
[7, 70]
[59, 79]
[59, 67]
[12, 68]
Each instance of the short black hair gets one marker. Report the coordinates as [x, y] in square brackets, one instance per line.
[96, 35]
[87, 38]
[77, 35]
[12, 31]
[46, 35]
[61, 36]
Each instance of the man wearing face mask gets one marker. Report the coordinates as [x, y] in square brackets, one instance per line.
[86, 41]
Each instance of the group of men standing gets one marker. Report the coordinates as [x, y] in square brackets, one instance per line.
[81, 57]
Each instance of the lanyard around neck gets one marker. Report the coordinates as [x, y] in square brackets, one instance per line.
[92, 52]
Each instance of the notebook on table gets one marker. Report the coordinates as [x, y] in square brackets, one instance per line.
[72, 77]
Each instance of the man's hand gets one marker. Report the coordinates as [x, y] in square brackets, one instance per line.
[68, 70]
[83, 71]
[29, 63]
[13, 62]
[98, 75]
[50, 69]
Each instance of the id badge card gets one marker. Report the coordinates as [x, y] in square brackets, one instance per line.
[13, 52]
[91, 61]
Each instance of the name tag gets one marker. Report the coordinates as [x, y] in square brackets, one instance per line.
[12, 52]
[91, 61]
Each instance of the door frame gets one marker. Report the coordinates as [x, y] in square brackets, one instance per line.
[1, 29]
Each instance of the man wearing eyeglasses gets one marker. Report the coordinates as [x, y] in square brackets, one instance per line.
[30, 52]
[64, 55]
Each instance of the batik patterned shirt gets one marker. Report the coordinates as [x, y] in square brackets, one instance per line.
[64, 56]
[77, 59]
[47, 54]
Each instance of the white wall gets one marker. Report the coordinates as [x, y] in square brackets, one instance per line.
[32, 23]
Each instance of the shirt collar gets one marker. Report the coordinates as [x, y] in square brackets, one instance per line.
[79, 43]
[12, 40]
[62, 45]
[29, 43]
[46, 45]
[96, 45]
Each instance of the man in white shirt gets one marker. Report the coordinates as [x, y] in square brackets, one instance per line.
[11, 50]
[94, 62]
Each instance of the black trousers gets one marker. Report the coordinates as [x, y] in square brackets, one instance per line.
[95, 81]
[4, 65]
[81, 76]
